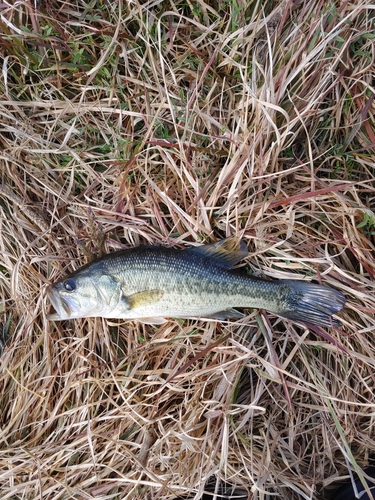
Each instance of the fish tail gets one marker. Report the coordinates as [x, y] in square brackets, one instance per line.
[311, 303]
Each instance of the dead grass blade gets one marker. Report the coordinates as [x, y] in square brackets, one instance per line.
[174, 123]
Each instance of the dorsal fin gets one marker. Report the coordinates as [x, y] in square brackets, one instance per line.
[226, 252]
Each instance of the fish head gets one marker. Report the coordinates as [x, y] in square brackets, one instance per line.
[83, 294]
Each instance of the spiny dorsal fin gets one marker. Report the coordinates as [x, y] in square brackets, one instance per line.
[226, 252]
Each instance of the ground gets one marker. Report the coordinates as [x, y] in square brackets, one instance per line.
[177, 123]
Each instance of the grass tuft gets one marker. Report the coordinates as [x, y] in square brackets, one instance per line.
[171, 123]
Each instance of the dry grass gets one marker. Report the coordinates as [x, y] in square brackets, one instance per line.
[171, 123]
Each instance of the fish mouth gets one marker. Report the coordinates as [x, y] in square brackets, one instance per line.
[64, 308]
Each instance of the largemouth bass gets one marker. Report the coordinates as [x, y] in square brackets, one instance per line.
[153, 283]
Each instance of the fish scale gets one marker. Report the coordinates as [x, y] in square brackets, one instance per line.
[153, 283]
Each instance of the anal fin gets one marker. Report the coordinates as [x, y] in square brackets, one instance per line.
[226, 314]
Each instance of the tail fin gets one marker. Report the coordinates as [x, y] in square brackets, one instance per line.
[312, 303]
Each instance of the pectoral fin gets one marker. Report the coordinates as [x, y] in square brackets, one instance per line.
[144, 298]
[226, 252]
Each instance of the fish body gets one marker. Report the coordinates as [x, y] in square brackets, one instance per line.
[153, 283]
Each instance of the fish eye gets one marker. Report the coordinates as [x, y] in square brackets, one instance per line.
[69, 285]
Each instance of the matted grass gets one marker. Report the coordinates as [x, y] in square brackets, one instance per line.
[174, 123]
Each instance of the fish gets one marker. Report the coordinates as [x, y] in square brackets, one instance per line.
[150, 284]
